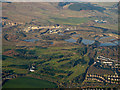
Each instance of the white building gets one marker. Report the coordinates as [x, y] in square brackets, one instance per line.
[67, 29]
[96, 20]
[108, 62]
[31, 70]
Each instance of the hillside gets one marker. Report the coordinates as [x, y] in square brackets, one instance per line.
[62, 44]
[44, 13]
[88, 6]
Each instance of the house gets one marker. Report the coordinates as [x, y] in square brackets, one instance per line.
[94, 62]
[33, 67]
[98, 61]
[104, 21]
[107, 62]
[31, 70]
[67, 29]
[100, 21]
[96, 20]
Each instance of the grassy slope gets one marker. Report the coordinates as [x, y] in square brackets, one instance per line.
[71, 20]
[77, 70]
[49, 13]
[43, 13]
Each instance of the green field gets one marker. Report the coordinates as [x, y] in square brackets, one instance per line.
[55, 64]
[28, 82]
[71, 20]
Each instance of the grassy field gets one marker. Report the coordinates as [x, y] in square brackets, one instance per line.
[71, 20]
[53, 62]
[108, 26]
[28, 82]
[45, 12]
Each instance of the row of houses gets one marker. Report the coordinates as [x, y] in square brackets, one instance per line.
[95, 79]
[41, 27]
[103, 79]
[9, 77]
[100, 21]
[9, 23]
[55, 31]
[107, 61]
[104, 63]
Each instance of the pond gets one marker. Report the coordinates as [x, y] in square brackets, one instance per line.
[112, 39]
[104, 37]
[71, 40]
[77, 35]
[117, 42]
[31, 40]
[60, 34]
[108, 44]
[50, 42]
[104, 29]
[87, 42]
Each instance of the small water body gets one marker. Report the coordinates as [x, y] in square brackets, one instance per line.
[108, 44]
[95, 37]
[51, 42]
[104, 29]
[77, 35]
[112, 39]
[71, 40]
[104, 37]
[31, 40]
[117, 42]
[87, 42]
[60, 34]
